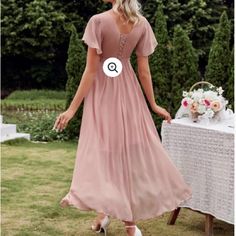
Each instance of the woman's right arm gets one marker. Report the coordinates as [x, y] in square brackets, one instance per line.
[92, 61]
[86, 82]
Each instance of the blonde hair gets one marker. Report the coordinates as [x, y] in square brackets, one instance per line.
[131, 9]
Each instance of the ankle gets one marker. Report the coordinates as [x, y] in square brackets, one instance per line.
[129, 223]
[130, 229]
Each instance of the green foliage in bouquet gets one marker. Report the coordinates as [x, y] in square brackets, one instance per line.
[184, 66]
[219, 56]
[74, 67]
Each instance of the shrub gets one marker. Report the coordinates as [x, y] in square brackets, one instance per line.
[39, 125]
[219, 56]
[74, 67]
[184, 66]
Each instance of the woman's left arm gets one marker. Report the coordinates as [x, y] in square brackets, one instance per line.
[92, 61]
[145, 78]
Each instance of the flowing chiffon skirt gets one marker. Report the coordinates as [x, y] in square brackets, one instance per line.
[121, 167]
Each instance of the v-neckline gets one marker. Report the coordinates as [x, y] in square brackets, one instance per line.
[116, 26]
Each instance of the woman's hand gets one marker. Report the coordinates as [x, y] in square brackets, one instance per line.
[162, 112]
[62, 120]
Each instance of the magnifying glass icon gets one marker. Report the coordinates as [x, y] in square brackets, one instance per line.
[112, 66]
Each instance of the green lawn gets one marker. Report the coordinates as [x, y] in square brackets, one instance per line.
[35, 99]
[35, 176]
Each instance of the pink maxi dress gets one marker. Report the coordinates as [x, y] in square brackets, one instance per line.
[121, 167]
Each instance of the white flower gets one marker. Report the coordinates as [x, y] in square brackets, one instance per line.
[220, 90]
[201, 101]
[185, 93]
[210, 95]
[210, 113]
[197, 95]
[201, 109]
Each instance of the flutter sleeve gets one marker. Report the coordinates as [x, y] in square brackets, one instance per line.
[92, 34]
[147, 42]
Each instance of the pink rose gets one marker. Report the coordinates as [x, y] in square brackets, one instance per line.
[215, 106]
[207, 102]
[185, 102]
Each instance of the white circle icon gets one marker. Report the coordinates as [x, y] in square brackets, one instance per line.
[112, 67]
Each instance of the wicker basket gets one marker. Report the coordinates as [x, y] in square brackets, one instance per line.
[194, 116]
[200, 82]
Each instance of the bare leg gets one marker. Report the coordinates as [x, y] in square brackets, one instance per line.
[129, 230]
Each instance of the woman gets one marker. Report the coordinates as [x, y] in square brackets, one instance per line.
[121, 168]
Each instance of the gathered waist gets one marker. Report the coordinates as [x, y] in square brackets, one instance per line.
[122, 59]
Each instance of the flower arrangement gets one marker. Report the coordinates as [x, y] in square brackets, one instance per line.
[203, 103]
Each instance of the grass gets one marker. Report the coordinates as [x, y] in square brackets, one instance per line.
[40, 104]
[35, 94]
[35, 176]
[35, 100]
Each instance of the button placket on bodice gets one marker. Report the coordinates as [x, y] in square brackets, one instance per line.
[122, 43]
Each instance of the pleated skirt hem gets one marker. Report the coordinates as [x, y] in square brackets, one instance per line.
[70, 201]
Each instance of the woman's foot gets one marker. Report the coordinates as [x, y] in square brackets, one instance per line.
[97, 222]
[64, 203]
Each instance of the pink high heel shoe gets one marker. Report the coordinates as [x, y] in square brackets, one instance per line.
[137, 231]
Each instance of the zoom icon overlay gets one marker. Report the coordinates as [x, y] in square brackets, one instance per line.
[112, 67]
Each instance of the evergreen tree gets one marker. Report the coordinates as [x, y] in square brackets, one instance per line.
[218, 61]
[74, 67]
[197, 18]
[229, 93]
[160, 63]
[184, 66]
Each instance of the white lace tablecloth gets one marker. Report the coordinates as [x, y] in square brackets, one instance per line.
[205, 157]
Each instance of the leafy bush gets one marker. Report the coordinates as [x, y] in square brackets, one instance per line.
[184, 66]
[74, 68]
[230, 82]
[40, 125]
[219, 56]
